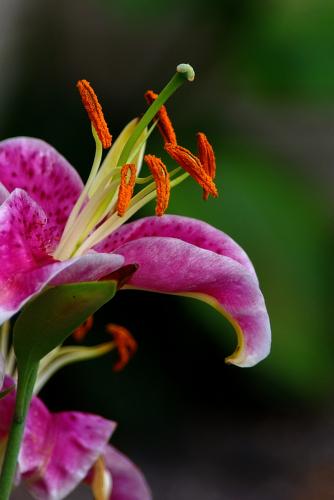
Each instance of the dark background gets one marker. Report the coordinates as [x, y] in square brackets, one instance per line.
[264, 93]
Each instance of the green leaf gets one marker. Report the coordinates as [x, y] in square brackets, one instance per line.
[51, 317]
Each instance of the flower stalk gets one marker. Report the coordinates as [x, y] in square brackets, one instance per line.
[25, 387]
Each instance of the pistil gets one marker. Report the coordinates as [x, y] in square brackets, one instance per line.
[162, 119]
[184, 72]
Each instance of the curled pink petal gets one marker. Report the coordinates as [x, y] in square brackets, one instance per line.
[37, 168]
[26, 266]
[128, 482]
[192, 231]
[221, 275]
[59, 449]
[89, 267]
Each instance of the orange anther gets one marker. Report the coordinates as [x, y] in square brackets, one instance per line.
[95, 113]
[80, 333]
[207, 158]
[128, 180]
[164, 123]
[125, 343]
[191, 164]
[161, 177]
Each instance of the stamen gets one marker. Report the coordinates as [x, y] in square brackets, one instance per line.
[59, 253]
[126, 188]
[191, 164]
[125, 343]
[161, 179]
[63, 356]
[164, 123]
[113, 222]
[94, 111]
[102, 480]
[110, 162]
[80, 333]
[207, 158]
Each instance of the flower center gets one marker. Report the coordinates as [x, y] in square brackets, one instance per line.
[109, 199]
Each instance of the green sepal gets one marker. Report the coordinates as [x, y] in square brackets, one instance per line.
[51, 317]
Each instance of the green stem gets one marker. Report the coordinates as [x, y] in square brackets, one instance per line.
[25, 386]
[178, 79]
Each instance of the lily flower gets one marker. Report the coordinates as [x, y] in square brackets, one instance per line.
[55, 230]
[61, 450]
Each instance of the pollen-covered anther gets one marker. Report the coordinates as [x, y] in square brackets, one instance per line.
[128, 181]
[125, 343]
[207, 158]
[164, 123]
[80, 333]
[161, 178]
[191, 164]
[94, 111]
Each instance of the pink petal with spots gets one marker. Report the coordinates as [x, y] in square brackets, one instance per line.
[26, 266]
[192, 231]
[59, 449]
[128, 482]
[37, 168]
[187, 263]
[89, 267]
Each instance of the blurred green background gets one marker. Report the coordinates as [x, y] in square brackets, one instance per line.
[264, 94]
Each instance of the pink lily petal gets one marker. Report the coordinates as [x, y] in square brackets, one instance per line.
[128, 482]
[37, 168]
[25, 242]
[59, 449]
[187, 259]
[192, 231]
[90, 267]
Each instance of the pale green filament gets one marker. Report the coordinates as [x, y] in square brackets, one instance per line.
[112, 223]
[97, 208]
[11, 362]
[144, 180]
[103, 186]
[63, 356]
[4, 338]
[111, 160]
[93, 172]
[139, 149]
